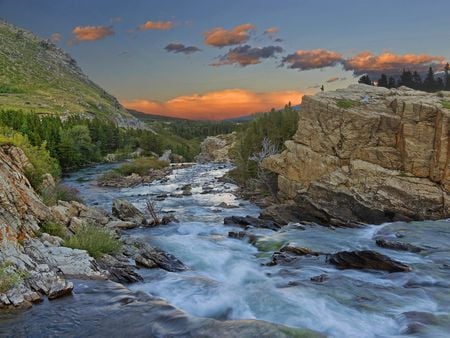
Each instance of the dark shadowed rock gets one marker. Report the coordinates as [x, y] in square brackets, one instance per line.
[395, 245]
[249, 221]
[366, 259]
[320, 279]
[119, 271]
[298, 251]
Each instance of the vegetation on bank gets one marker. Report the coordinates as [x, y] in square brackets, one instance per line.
[10, 277]
[54, 229]
[274, 126]
[95, 240]
[347, 103]
[446, 104]
[141, 166]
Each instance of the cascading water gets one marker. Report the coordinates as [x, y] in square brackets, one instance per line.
[228, 278]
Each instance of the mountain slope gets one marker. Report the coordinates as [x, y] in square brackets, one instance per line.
[36, 75]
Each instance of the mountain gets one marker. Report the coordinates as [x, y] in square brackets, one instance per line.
[36, 75]
[144, 117]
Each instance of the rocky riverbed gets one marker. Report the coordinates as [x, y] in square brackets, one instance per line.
[373, 281]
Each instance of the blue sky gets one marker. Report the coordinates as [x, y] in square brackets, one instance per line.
[135, 67]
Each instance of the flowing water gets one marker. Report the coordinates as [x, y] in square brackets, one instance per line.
[227, 278]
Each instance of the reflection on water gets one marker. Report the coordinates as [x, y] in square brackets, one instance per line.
[227, 280]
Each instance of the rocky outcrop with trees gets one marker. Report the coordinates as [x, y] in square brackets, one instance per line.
[216, 148]
[367, 154]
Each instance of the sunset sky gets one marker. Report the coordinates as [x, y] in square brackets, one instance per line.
[214, 59]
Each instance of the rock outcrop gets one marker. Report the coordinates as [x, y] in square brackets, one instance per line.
[216, 148]
[367, 154]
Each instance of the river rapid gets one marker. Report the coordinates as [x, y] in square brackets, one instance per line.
[227, 278]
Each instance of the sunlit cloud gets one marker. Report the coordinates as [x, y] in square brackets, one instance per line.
[333, 79]
[368, 63]
[180, 48]
[90, 33]
[217, 105]
[247, 55]
[221, 37]
[55, 37]
[312, 59]
[156, 25]
[271, 31]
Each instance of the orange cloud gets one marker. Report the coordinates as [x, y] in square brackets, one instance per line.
[271, 31]
[91, 33]
[333, 79]
[312, 59]
[156, 25]
[221, 37]
[367, 62]
[217, 105]
[55, 37]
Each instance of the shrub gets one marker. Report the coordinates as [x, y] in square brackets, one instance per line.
[446, 104]
[61, 192]
[40, 160]
[54, 229]
[109, 175]
[347, 103]
[97, 241]
[140, 166]
[9, 277]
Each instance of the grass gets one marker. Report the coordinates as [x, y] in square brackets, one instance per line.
[97, 241]
[446, 104]
[140, 166]
[9, 277]
[54, 229]
[347, 103]
[61, 192]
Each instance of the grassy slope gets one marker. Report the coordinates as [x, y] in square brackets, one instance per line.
[36, 75]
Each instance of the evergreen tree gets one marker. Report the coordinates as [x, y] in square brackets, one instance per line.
[447, 76]
[429, 84]
[406, 79]
[417, 80]
[365, 79]
[383, 81]
[391, 82]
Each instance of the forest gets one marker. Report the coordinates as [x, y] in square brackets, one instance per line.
[413, 79]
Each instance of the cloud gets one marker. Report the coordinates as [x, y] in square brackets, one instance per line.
[278, 40]
[55, 37]
[180, 48]
[156, 25]
[368, 63]
[271, 31]
[312, 59]
[220, 37]
[217, 105]
[333, 79]
[247, 55]
[90, 33]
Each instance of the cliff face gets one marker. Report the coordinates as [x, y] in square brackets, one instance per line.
[368, 154]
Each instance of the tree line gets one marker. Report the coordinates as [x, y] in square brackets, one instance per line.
[412, 79]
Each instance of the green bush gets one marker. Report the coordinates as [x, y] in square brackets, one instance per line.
[347, 103]
[9, 277]
[54, 229]
[39, 157]
[140, 166]
[61, 192]
[446, 104]
[97, 241]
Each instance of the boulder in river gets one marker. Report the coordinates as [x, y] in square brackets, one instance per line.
[126, 211]
[367, 259]
[396, 245]
[249, 221]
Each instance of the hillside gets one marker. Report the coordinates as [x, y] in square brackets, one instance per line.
[36, 75]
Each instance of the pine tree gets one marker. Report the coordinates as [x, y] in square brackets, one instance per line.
[391, 82]
[447, 76]
[429, 84]
[365, 79]
[383, 81]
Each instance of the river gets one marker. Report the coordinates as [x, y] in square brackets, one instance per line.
[228, 278]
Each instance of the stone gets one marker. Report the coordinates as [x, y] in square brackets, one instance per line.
[123, 225]
[216, 149]
[395, 245]
[387, 160]
[60, 288]
[249, 221]
[126, 211]
[298, 251]
[119, 271]
[320, 279]
[366, 259]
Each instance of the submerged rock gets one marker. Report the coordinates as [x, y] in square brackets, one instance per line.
[126, 211]
[366, 259]
[370, 163]
[395, 245]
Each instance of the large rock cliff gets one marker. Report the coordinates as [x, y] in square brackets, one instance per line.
[368, 154]
[216, 148]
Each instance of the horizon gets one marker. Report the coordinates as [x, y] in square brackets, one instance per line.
[170, 59]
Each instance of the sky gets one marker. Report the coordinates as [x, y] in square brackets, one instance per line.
[216, 59]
